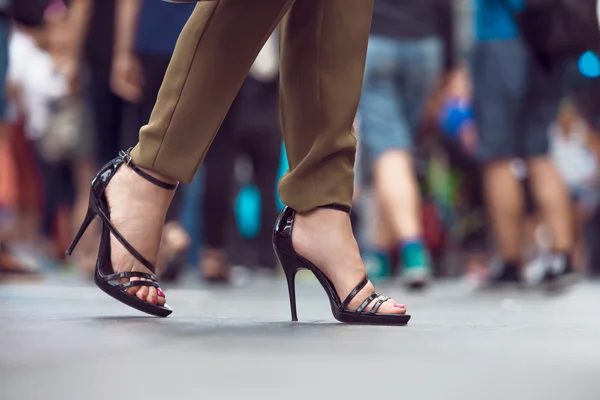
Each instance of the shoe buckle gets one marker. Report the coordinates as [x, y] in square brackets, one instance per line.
[126, 156]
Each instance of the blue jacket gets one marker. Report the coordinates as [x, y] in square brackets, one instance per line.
[494, 19]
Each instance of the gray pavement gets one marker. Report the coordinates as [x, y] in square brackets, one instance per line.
[65, 340]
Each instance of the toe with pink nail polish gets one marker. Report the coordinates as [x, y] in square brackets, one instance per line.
[160, 292]
[399, 305]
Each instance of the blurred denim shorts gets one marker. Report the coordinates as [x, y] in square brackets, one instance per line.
[399, 78]
[514, 100]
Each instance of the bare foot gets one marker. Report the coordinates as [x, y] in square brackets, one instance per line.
[137, 210]
[325, 238]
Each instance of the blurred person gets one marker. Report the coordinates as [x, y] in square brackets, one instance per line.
[4, 35]
[410, 50]
[6, 162]
[323, 49]
[91, 40]
[587, 100]
[251, 129]
[515, 100]
[54, 116]
[454, 114]
[9, 265]
[76, 118]
[575, 148]
[141, 57]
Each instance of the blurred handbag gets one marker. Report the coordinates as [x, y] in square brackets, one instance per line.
[558, 30]
[64, 133]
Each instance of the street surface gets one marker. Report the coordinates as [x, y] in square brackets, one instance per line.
[62, 339]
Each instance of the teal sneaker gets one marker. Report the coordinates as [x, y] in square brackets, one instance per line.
[377, 264]
[416, 264]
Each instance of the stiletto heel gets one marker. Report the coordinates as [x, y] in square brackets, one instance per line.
[89, 217]
[105, 277]
[290, 271]
[292, 262]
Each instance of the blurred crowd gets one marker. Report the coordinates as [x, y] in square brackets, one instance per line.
[473, 160]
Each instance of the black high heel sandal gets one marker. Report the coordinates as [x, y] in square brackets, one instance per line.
[105, 277]
[292, 262]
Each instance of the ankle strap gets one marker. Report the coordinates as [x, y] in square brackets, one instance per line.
[339, 207]
[126, 158]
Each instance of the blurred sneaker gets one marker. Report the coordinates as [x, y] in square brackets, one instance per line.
[559, 272]
[12, 267]
[377, 264]
[416, 264]
[504, 274]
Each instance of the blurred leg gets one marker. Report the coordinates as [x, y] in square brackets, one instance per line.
[422, 61]
[377, 258]
[217, 207]
[552, 197]
[582, 217]
[107, 116]
[386, 137]
[399, 80]
[504, 196]
[499, 75]
[398, 190]
[85, 255]
[549, 190]
[265, 149]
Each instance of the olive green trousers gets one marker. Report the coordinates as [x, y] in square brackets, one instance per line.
[323, 47]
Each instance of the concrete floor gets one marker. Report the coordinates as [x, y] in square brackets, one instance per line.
[64, 340]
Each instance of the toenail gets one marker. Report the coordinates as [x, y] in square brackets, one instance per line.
[399, 305]
[160, 292]
[154, 301]
[144, 297]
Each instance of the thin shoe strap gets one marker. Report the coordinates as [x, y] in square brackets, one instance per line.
[367, 301]
[339, 207]
[124, 242]
[130, 284]
[130, 274]
[379, 304]
[126, 157]
[354, 292]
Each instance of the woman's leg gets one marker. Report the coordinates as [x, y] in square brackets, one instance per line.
[323, 45]
[214, 52]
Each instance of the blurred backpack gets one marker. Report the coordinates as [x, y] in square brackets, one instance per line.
[65, 131]
[558, 30]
